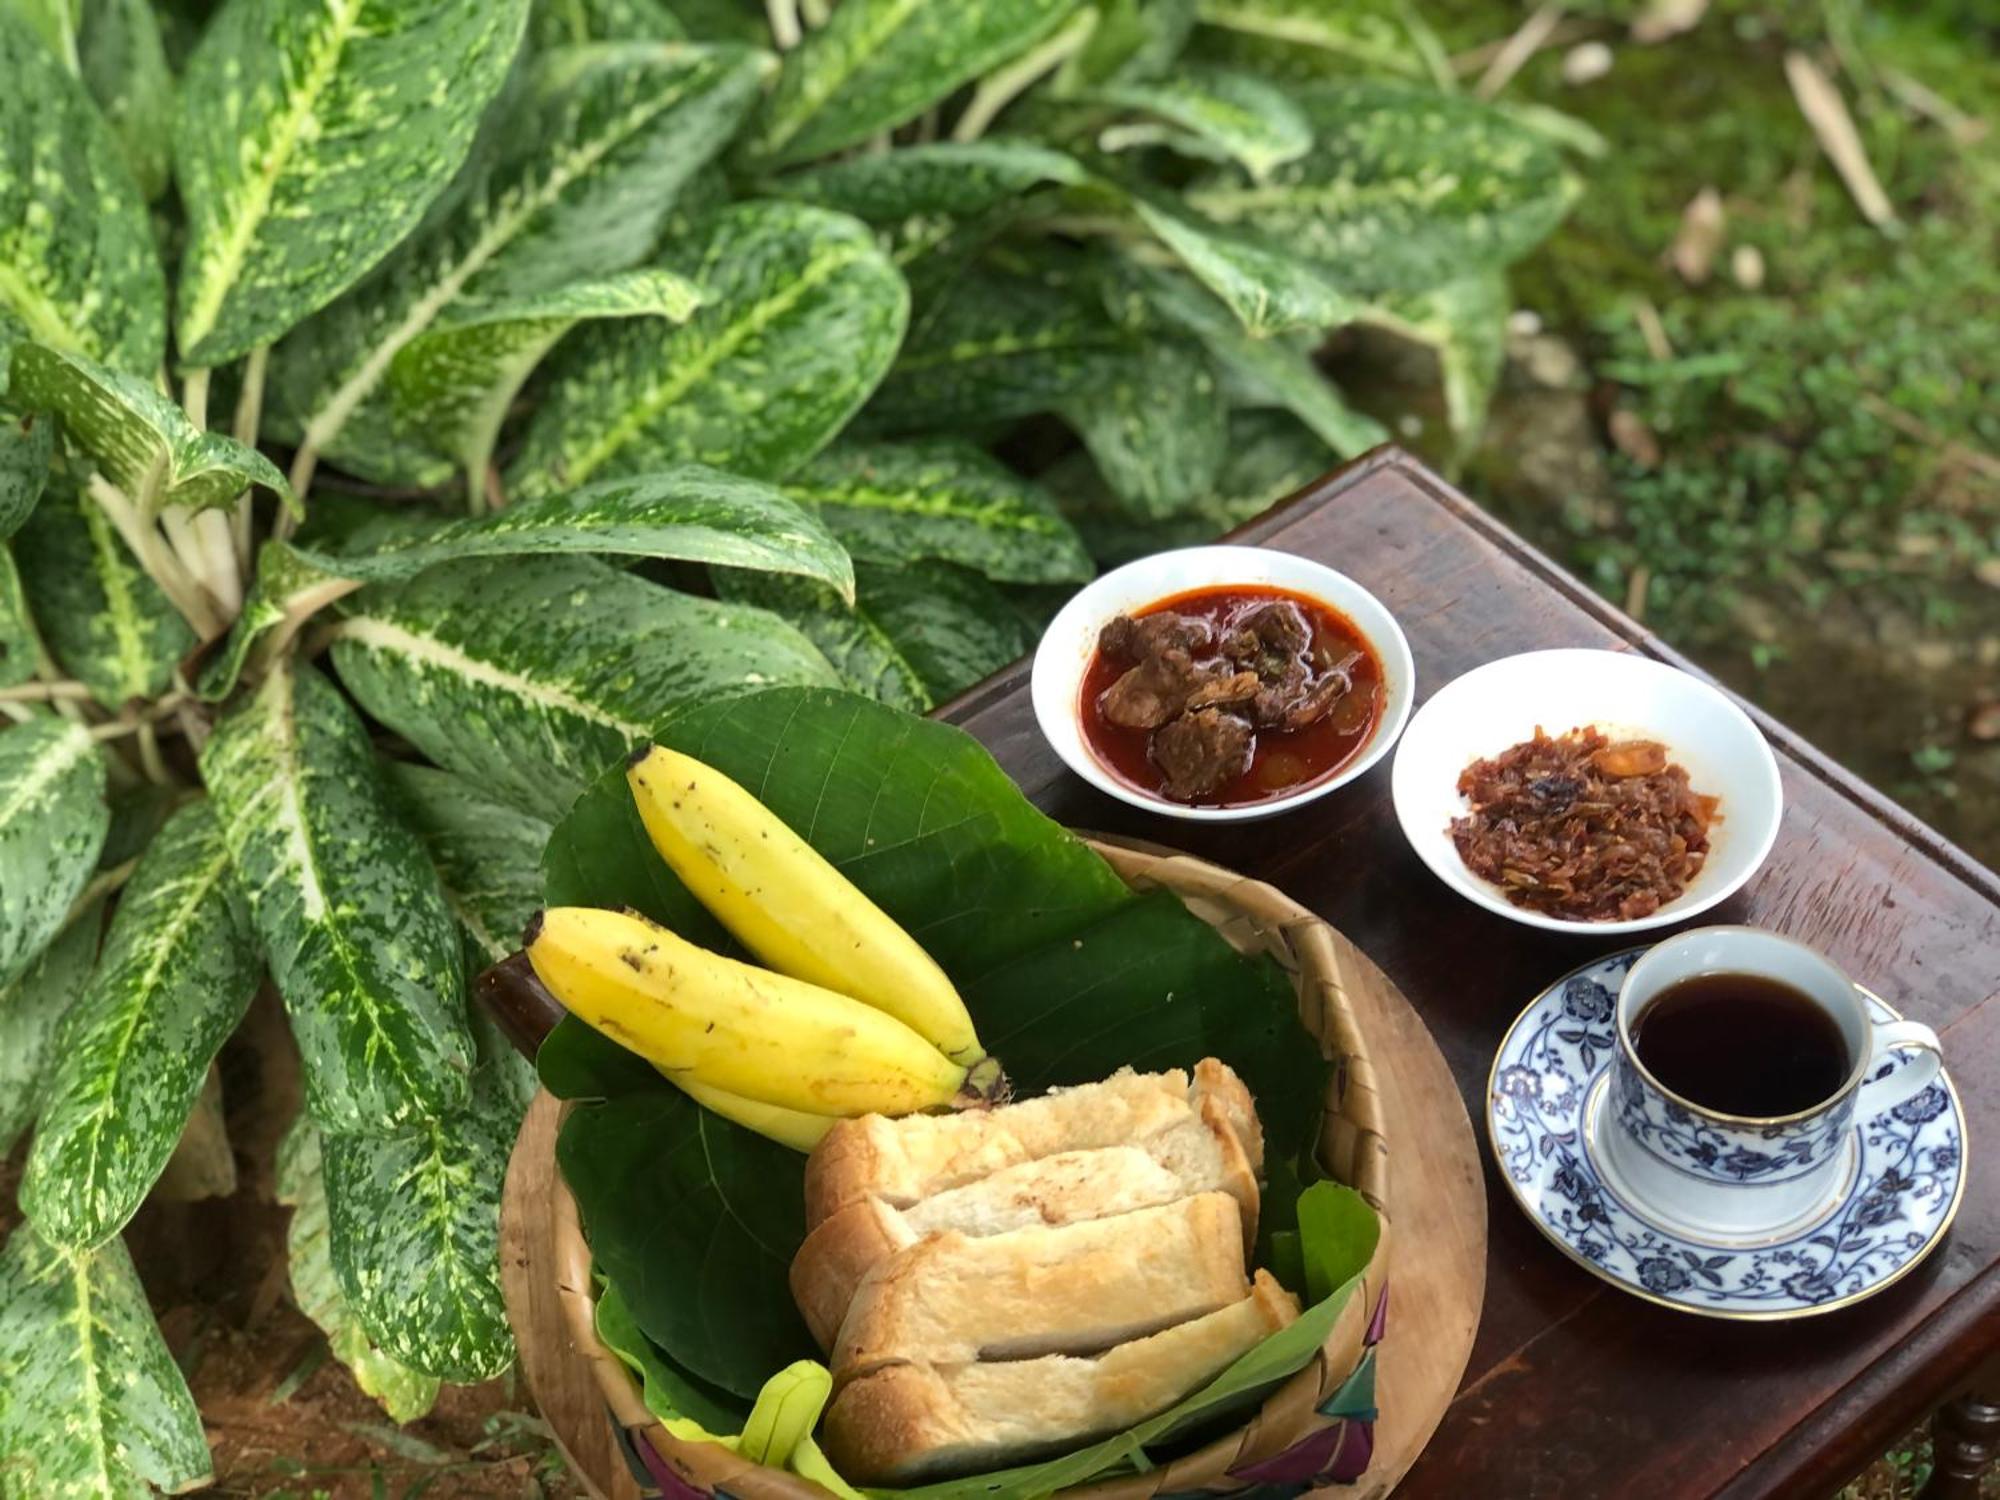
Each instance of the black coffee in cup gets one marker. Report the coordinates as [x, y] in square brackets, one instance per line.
[1742, 1044]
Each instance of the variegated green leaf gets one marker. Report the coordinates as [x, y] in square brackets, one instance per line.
[56, 21]
[287, 591]
[488, 854]
[994, 347]
[803, 315]
[20, 647]
[530, 675]
[27, 443]
[105, 621]
[1132, 40]
[1156, 426]
[141, 441]
[77, 264]
[877, 63]
[1237, 116]
[352, 920]
[52, 823]
[722, 21]
[95, 1407]
[414, 1229]
[405, 1394]
[311, 137]
[124, 66]
[951, 178]
[944, 499]
[456, 382]
[574, 23]
[1270, 456]
[1267, 287]
[179, 967]
[577, 185]
[688, 512]
[1271, 371]
[1376, 34]
[916, 636]
[31, 1012]
[1466, 322]
[1404, 188]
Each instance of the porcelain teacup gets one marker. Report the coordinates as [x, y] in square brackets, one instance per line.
[1740, 1175]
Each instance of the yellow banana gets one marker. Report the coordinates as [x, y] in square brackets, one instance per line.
[786, 903]
[788, 1127]
[766, 1037]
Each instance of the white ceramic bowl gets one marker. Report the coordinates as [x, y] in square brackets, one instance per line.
[1627, 697]
[1067, 645]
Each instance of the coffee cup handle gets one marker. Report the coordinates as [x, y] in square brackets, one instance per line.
[1919, 1074]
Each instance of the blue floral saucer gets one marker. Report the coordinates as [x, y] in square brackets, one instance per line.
[1541, 1110]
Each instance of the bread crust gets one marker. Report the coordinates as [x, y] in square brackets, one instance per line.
[1070, 1288]
[836, 1256]
[906, 1422]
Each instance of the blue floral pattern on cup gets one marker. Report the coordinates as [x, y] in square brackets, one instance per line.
[1728, 1154]
[1911, 1161]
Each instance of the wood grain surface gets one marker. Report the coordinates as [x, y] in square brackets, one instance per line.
[1574, 1389]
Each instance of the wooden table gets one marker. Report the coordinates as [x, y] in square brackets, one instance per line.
[1575, 1389]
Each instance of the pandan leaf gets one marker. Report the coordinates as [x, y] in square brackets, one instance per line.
[1466, 322]
[997, 346]
[940, 499]
[456, 382]
[95, 1404]
[803, 314]
[957, 179]
[413, 1223]
[20, 647]
[1264, 371]
[27, 443]
[404, 1393]
[105, 621]
[1155, 425]
[124, 65]
[574, 23]
[311, 137]
[878, 63]
[180, 965]
[77, 264]
[529, 675]
[352, 920]
[1403, 189]
[1238, 116]
[578, 185]
[31, 1012]
[52, 823]
[917, 634]
[142, 442]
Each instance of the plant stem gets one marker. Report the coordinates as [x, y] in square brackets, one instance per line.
[194, 397]
[784, 16]
[100, 887]
[161, 565]
[186, 543]
[249, 417]
[299, 608]
[815, 12]
[45, 692]
[999, 89]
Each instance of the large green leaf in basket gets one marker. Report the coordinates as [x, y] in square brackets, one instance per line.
[1069, 976]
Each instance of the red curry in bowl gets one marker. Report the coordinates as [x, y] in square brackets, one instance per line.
[1230, 696]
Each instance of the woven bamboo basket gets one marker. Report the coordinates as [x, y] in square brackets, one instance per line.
[1313, 1429]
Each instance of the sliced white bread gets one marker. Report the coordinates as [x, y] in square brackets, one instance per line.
[1064, 1289]
[902, 1423]
[1197, 1154]
[906, 1160]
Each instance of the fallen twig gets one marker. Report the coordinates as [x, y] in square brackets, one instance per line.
[1514, 53]
[1826, 112]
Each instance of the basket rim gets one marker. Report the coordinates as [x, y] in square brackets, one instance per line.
[1352, 1111]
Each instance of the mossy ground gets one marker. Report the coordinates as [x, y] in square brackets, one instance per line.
[1798, 480]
